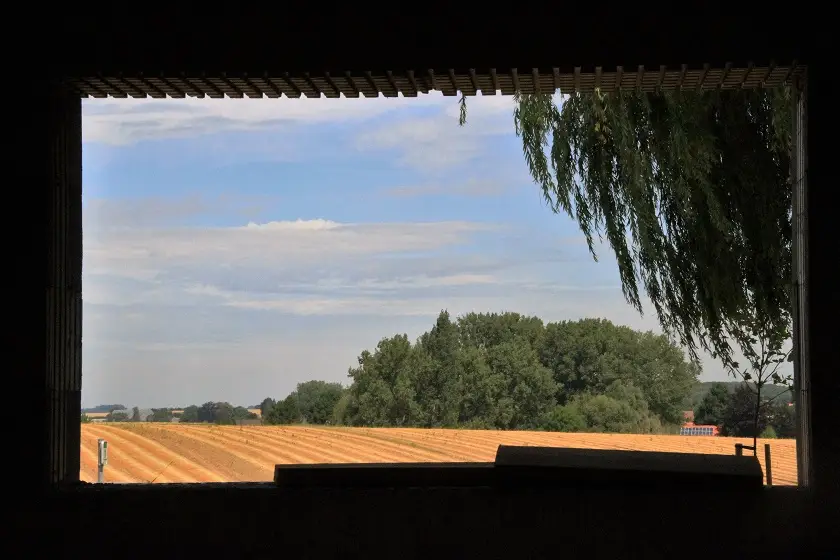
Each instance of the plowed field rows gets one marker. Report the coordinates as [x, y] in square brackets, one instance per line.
[206, 453]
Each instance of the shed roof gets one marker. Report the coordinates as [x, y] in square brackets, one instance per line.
[449, 81]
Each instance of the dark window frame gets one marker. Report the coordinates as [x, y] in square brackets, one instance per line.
[64, 304]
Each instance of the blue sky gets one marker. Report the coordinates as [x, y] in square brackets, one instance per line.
[234, 248]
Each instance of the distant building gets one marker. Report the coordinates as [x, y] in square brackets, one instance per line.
[692, 429]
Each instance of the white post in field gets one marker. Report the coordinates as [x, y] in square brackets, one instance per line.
[102, 459]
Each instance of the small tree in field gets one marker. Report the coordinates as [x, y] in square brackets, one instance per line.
[762, 344]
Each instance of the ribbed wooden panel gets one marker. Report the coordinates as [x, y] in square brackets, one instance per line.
[450, 81]
[63, 321]
[801, 339]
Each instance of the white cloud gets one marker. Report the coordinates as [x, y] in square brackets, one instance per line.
[162, 211]
[312, 268]
[299, 225]
[470, 187]
[437, 142]
[126, 121]
[323, 267]
[422, 131]
[273, 246]
[316, 266]
[575, 305]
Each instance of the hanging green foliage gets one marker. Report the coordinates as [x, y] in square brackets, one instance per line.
[689, 189]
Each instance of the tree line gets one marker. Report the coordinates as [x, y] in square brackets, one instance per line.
[509, 371]
[104, 408]
[209, 412]
[506, 371]
[216, 413]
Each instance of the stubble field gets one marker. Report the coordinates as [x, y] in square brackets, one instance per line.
[161, 453]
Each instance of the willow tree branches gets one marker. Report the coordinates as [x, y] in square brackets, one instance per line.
[690, 190]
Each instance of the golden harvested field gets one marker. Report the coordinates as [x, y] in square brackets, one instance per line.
[208, 453]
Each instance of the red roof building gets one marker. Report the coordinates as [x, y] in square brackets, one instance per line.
[692, 429]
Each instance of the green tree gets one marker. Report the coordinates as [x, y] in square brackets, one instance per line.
[383, 387]
[266, 406]
[118, 416]
[761, 342]
[190, 414]
[161, 415]
[223, 413]
[216, 413]
[690, 190]
[85, 419]
[238, 413]
[439, 374]
[135, 414]
[621, 409]
[286, 411]
[603, 413]
[529, 387]
[739, 419]
[317, 400]
[586, 355]
[508, 371]
[207, 412]
[339, 414]
[712, 408]
[484, 330]
[563, 419]
[481, 389]
[591, 354]
[663, 375]
[783, 419]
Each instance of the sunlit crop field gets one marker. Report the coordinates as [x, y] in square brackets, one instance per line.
[160, 453]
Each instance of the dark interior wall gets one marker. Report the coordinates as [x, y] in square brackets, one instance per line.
[45, 240]
[432, 35]
[248, 522]
[822, 285]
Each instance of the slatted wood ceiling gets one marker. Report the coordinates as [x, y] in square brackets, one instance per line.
[450, 82]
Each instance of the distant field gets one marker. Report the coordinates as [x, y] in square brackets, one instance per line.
[145, 452]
